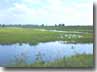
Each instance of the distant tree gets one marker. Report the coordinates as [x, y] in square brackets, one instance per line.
[3, 25]
[42, 25]
[59, 24]
[55, 25]
[63, 24]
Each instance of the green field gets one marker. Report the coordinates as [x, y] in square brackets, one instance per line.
[10, 35]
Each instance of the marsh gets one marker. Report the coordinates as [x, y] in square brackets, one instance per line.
[48, 51]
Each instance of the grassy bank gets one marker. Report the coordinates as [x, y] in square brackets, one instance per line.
[34, 36]
[83, 60]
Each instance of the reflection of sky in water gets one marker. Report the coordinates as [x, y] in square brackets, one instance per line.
[49, 51]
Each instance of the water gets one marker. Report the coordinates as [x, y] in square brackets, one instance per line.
[65, 31]
[48, 51]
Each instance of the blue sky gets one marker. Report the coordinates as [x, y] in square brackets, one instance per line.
[49, 12]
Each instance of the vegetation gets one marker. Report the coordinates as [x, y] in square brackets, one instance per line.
[61, 27]
[83, 60]
[35, 34]
[10, 35]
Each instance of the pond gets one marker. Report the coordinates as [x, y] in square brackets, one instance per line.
[48, 51]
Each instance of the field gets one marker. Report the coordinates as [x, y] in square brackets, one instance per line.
[35, 35]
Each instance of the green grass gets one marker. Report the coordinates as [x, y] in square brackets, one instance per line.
[83, 60]
[33, 36]
[69, 28]
[74, 61]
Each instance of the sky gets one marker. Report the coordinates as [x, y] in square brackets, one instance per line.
[48, 12]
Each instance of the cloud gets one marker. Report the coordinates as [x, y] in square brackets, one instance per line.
[48, 12]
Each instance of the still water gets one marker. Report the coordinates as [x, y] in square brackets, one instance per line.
[49, 51]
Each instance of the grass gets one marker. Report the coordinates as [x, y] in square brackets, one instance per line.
[71, 28]
[77, 61]
[33, 36]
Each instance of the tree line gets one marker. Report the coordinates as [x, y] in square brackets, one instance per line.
[27, 25]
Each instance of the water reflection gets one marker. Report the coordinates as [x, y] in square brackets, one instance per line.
[48, 51]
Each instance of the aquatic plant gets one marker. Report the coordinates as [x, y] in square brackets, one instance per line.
[78, 60]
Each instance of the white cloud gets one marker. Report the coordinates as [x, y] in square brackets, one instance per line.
[33, 1]
[54, 12]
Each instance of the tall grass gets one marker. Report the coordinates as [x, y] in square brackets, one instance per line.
[82, 60]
